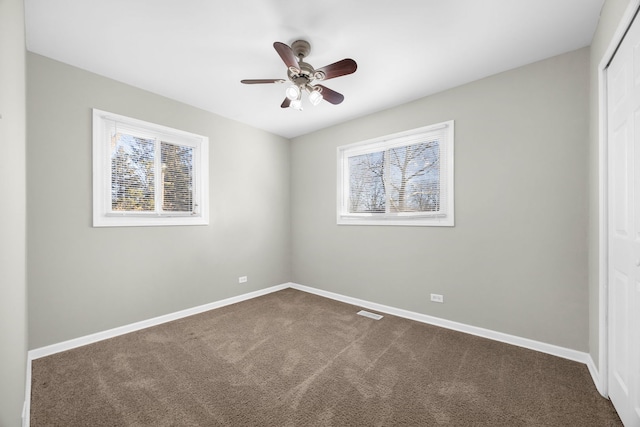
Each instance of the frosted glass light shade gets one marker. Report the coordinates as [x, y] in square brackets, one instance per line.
[315, 97]
[293, 92]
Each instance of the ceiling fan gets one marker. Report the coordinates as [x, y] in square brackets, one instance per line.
[304, 76]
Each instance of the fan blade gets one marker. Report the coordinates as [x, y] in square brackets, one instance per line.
[337, 69]
[330, 95]
[286, 103]
[287, 55]
[261, 81]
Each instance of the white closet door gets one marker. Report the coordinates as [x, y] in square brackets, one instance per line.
[623, 87]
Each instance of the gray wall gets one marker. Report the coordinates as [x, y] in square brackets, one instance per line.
[518, 268]
[84, 280]
[516, 261]
[13, 317]
[610, 16]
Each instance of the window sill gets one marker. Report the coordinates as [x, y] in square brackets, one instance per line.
[147, 221]
[410, 222]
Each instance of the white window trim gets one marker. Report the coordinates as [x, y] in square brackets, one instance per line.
[375, 144]
[102, 214]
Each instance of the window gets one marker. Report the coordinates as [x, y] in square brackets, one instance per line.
[146, 174]
[400, 179]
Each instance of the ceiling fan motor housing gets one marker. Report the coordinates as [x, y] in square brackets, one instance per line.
[301, 48]
[304, 75]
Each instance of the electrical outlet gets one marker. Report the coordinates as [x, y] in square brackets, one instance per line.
[437, 298]
[242, 279]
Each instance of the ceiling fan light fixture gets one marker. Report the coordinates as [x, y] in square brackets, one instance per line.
[302, 74]
[296, 104]
[293, 92]
[315, 97]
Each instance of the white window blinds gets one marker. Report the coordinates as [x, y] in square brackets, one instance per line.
[177, 178]
[147, 174]
[132, 173]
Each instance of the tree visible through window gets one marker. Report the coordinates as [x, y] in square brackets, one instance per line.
[404, 179]
[133, 169]
[399, 177]
[156, 175]
[132, 173]
[177, 178]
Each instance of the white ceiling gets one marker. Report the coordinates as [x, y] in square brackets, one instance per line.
[197, 51]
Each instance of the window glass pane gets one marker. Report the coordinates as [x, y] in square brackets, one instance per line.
[132, 177]
[146, 174]
[366, 185]
[400, 179]
[413, 180]
[177, 178]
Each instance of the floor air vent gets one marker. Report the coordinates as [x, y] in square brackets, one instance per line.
[370, 315]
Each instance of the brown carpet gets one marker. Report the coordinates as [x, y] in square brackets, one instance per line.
[295, 359]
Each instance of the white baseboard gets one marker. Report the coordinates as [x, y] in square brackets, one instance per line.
[554, 350]
[595, 375]
[99, 336]
[25, 413]
[26, 409]
[551, 349]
